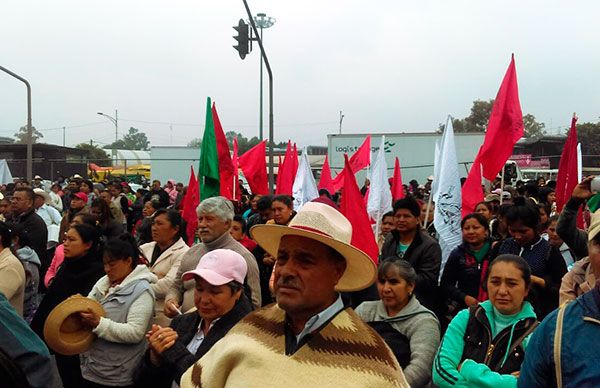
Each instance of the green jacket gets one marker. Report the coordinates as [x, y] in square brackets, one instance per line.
[445, 371]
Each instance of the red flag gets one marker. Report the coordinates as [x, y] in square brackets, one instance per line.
[286, 172]
[325, 182]
[353, 207]
[504, 128]
[397, 188]
[254, 166]
[225, 163]
[358, 161]
[568, 172]
[236, 165]
[191, 200]
[472, 193]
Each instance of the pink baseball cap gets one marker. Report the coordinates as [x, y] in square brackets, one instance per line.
[219, 267]
[82, 196]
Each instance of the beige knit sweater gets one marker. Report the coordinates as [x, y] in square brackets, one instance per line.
[344, 353]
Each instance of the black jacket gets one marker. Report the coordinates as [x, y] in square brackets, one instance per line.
[177, 359]
[462, 275]
[425, 255]
[75, 276]
[478, 342]
[36, 228]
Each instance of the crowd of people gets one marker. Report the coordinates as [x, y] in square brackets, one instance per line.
[269, 295]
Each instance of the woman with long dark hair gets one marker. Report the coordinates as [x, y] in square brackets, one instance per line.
[463, 279]
[78, 273]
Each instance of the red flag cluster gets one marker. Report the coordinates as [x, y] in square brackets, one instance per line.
[358, 161]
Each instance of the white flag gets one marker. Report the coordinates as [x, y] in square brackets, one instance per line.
[447, 215]
[436, 170]
[380, 195]
[304, 188]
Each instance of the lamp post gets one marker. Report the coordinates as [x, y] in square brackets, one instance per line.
[29, 127]
[262, 22]
[115, 121]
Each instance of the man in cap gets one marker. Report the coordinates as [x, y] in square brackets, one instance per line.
[215, 216]
[78, 204]
[308, 338]
[38, 182]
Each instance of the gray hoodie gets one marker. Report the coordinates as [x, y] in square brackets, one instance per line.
[31, 264]
[419, 325]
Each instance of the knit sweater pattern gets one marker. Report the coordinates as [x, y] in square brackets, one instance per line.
[345, 351]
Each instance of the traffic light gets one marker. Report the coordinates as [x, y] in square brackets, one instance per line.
[243, 39]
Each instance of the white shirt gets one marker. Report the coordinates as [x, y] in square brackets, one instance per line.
[318, 320]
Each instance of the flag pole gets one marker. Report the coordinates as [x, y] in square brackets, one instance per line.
[502, 183]
[378, 220]
[429, 202]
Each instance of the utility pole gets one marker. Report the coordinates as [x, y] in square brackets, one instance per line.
[262, 21]
[29, 126]
[115, 121]
[64, 136]
[270, 73]
[341, 119]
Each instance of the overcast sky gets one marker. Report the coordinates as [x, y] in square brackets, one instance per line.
[390, 66]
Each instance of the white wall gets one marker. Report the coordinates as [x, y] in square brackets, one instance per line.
[173, 162]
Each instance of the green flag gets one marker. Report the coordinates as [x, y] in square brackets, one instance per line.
[208, 172]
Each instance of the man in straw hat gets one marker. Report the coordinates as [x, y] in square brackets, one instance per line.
[308, 338]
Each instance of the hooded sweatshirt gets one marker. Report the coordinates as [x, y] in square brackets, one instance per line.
[31, 264]
[474, 374]
[419, 325]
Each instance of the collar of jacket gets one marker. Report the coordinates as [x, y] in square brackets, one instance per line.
[221, 241]
[177, 245]
[590, 303]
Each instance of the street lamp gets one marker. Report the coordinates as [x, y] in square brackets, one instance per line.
[29, 127]
[262, 22]
[115, 121]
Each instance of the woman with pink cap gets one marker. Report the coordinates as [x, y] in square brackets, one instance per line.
[220, 304]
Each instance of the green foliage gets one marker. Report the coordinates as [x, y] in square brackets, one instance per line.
[195, 143]
[587, 135]
[96, 154]
[244, 144]
[133, 140]
[478, 120]
[21, 135]
[532, 127]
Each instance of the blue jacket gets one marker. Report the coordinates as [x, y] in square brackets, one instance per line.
[580, 355]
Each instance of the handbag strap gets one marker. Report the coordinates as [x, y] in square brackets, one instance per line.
[558, 343]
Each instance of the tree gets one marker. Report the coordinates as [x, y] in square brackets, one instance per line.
[21, 135]
[195, 143]
[587, 135]
[532, 127]
[95, 154]
[133, 140]
[478, 120]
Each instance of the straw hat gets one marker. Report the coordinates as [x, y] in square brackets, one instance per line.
[322, 223]
[42, 193]
[594, 225]
[64, 331]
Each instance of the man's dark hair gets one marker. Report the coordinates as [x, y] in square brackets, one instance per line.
[325, 192]
[27, 190]
[242, 221]
[410, 204]
[264, 203]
